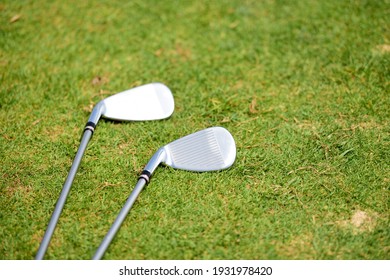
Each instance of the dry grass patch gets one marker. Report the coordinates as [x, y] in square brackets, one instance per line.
[360, 221]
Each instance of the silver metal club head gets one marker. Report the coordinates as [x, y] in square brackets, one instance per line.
[210, 149]
[148, 102]
[206, 150]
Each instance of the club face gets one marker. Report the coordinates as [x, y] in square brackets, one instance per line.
[148, 102]
[210, 149]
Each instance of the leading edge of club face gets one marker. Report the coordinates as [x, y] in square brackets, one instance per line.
[210, 149]
[152, 101]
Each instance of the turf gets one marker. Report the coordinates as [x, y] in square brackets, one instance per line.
[303, 86]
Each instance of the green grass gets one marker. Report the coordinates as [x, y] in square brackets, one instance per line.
[303, 86]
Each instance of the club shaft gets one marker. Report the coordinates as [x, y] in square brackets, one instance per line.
[119, 220]
[64, 194]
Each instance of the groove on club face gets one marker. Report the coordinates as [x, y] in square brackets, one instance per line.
[206, 150]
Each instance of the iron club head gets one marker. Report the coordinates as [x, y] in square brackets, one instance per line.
[206, 150]
[147, 102]
[210, 149]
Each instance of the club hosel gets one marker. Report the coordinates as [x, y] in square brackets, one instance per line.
[153, 163]
[95, 116]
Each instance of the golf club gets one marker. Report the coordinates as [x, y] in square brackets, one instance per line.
[210, 149]
[148, 102]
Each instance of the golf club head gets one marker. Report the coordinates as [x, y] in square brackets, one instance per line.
[210, 149]
[148, 102]
[206, 150]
